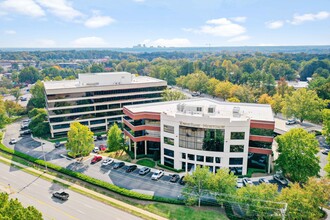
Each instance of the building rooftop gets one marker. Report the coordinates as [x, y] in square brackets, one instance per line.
[221, 109]
[99, 79]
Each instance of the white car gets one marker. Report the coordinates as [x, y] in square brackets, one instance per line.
[291, 122]
[13, 141]
[96, 149]
[157, 175]
[107, 161]
[263, 180]
[247, 182]
[239, 183]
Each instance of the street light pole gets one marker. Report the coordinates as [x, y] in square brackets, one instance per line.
[42, 147]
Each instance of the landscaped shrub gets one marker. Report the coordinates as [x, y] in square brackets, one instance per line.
[89, 179]
[169, 168]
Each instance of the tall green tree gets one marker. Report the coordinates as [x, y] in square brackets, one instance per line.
[80, 140]
[13, 209]
[29, 75]
[96, 68]
[3, 116]
[115, 139]
[303, 104]
[277, 103]
[168, 74]
[38, 96]
[297, 158]
[223, 88]
[16, 92]
[197, 184]
[171, 94]
[39, 125]
[326, 125]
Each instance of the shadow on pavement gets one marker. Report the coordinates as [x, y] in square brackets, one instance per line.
[78, 167]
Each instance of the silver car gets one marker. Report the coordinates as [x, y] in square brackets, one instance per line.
[144, 170]
[247, 182]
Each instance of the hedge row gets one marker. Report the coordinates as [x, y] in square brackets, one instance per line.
[91, 180]
[169, 168]
[139, 156]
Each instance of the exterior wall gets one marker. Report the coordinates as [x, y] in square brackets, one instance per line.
[97, 114]
[206, 122]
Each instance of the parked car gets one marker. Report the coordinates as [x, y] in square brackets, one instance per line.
[157, 175]
[99, 137]
[118, 165]
[102, 147]
[96, 149]
[247, 182]
[291, 122]
[107, 161]
[131, 168]
[263, 180]
[13, 141]
[23, 99]
[144, 170]
[26, 121]
[281, 179]
[25, 132]
[57, 144]
[325, 151]
[181, 181]
[239, 183]
[174, 178]
[61, 195]
[95, 138]
[96, 159]
[24, 126]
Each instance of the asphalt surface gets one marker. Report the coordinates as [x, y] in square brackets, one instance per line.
[34, 191]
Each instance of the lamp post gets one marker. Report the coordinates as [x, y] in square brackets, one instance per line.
[42, 147]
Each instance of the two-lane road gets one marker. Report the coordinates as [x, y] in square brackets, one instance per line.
[34, 191]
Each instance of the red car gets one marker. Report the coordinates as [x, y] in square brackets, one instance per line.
[96, 159]
[102, 147]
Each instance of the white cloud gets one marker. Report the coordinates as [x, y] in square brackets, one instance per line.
[299, 19]
[25, 7]
[90, 42]
[10, 32]
[60, 8]
[45, 43]
[221, 27]
[97, 21]
[239, 19]
[239, 38]
[174, 42]
[274, 24]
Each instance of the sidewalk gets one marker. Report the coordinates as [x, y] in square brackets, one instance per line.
[124, 206]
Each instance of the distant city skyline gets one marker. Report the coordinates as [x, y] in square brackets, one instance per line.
[170, 23]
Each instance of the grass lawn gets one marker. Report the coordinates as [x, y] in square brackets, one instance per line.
[146, 162]
[179, 212]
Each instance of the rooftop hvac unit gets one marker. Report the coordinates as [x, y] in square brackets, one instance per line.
[236, 110]
[180, 107]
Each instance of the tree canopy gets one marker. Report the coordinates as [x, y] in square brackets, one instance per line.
[115, 139]
[171, 94]
[297, 158]
[38, 96]
[39, 125]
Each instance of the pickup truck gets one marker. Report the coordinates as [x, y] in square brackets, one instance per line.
[62, 195]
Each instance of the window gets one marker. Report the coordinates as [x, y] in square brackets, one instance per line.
[169, 141]
[183, 165]
[260, 144]
[209, 159]
[191, 157]
[236, 148]
[168, 152]
[210, 110]
[235, 161]
[169, 129]
[261, 132]
[183, 155]
[200, 158]
[217, 159]
[237, 135]
[168, 162]
[199, 109]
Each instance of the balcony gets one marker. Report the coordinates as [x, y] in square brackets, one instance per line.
[142, 138]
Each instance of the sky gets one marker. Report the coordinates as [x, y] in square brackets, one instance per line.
[170, 23]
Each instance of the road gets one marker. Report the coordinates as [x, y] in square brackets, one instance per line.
[25, 93]
[34, 191]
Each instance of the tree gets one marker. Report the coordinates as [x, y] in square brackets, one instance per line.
[3, 115]
[196, 184]
[277, 103]
[198, 81]
[80, 140]
[303, 104]
[168, 74]
[16, 92]
[39, 125]
[297, 157]
[13, 209]
[170, 94]
[233, 99]
[97, 68]
[115, 139]
[29, 75]
[211, 86]
[326, 125]
[223, 183]
[38, 96]
[223, 89]
[12, 108]
[265, 99]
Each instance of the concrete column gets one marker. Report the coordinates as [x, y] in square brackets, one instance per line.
[129, 145]
[269, 162]
[145, 147]
[135, 150]
[106, 124]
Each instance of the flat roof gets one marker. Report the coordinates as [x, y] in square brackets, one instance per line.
[260, 112]
[104, 80]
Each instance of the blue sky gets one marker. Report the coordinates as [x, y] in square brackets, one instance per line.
[178, 23]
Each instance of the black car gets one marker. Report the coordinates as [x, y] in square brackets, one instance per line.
[99, 137]
[181, 181]
[131, 168]
[62, 196]
[25, 132]
[57, 144]
[174, 178]
[118, 165]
